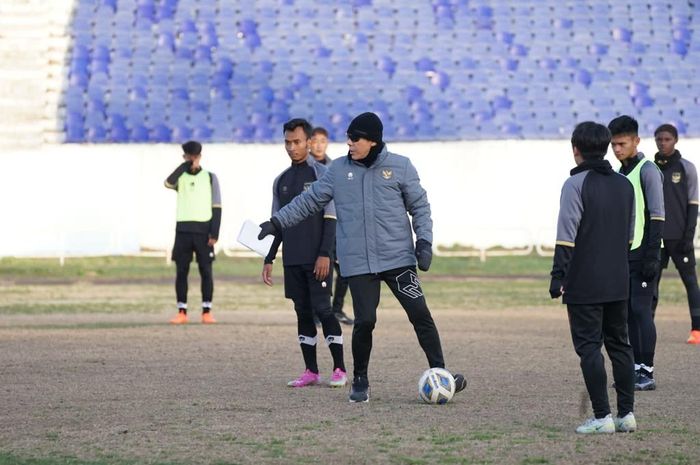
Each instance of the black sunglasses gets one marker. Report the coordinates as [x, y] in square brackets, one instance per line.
[355, 136]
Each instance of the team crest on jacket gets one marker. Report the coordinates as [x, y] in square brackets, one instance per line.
[676, 177]
[350, 176]
[386, 174]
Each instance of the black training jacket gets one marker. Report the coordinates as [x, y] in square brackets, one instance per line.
[596, 227]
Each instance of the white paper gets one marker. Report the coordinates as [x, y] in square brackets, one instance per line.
[249, 238]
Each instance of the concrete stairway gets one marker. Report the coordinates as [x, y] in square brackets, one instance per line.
[33, 44]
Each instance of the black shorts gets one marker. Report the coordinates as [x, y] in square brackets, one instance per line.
[301, 284]
[188, 243]
[668, 251]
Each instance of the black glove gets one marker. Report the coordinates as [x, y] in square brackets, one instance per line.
[555, 288]
[685, 246]
[424, 254]
[270, 227]
[650, 268]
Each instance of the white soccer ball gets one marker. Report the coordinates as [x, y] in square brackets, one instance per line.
[436, 386]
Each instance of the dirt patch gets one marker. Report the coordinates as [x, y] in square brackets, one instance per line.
[129, 386]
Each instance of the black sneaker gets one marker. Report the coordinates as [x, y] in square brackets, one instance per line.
[359, 391]
[460, 382]
[644, 383]
[343, 318]
[637, 373]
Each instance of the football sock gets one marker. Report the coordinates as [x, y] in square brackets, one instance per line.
[182, 307]
[335, 345]
[308, 351]
[206, 307]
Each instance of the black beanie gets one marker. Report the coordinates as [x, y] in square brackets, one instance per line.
[192, 147]
[368, 126]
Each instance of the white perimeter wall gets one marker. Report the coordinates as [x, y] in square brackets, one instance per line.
[110, 199]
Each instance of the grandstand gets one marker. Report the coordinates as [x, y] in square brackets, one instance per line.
[234, 70]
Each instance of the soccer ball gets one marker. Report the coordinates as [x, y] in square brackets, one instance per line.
[436, 386]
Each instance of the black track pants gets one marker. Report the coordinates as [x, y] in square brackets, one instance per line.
[640, 317]
[403, 282]
[593, 325]
[206, 274]
[685, 264]
[341, 289]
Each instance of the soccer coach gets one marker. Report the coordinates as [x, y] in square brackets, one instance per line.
[591, 271]
[374, 191]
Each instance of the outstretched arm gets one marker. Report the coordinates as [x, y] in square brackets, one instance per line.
[318, 195]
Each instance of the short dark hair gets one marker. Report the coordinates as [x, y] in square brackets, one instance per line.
[319, 130]
[623, 125]
[591, 139]
[294, 123]
[192, 147]
[667, 128]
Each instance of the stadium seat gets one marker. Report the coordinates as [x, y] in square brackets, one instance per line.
[490, 60]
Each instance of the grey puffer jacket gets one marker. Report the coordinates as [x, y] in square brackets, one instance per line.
[372, 206]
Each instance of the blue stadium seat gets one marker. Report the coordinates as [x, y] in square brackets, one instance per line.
[95, 133]
[491, 61]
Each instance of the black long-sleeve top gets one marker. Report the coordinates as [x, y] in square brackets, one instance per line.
[313, 237]
[594, 232]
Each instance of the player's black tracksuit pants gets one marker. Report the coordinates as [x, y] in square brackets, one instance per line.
[341, 289]
[311, 298]
[187, 243]
[685, 264]
[595, 325]
[640, 316]
[404, 284]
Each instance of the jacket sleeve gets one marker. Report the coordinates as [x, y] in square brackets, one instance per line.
[275, 196]
[171, 181]
[416, 201]
[570, 214]
[329, 219]
[329, 210]
[691, 218]
[274, 247]
[328, 238]
[215, 223]
[653, 187]
[313, 200]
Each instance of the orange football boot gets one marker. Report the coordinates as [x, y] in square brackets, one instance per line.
[180, 319]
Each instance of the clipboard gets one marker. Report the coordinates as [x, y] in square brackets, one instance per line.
[248, 236]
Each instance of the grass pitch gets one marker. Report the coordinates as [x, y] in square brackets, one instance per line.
[92, 374]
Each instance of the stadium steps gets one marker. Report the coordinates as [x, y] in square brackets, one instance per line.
[30, 63]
